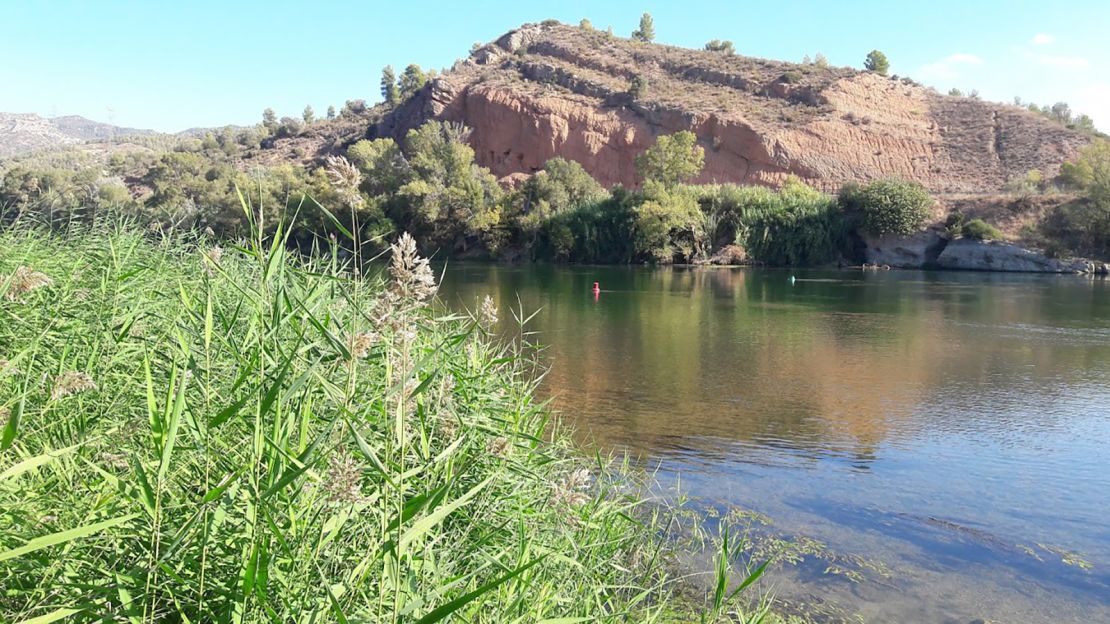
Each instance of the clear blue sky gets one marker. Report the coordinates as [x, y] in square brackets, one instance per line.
[173, 65]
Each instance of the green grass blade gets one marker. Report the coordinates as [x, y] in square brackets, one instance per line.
[445, 610]
[46, 541]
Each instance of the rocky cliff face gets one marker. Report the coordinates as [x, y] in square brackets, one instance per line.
[545, 91]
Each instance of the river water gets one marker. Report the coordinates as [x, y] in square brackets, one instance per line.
[944, 436]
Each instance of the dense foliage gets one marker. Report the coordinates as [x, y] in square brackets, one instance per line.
[1082, 226]
[430, 184]
[889, 206]
[206, 435]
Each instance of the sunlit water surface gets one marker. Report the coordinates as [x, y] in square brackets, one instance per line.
[954, 427]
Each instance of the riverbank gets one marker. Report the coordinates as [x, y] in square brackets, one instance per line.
[219, 434]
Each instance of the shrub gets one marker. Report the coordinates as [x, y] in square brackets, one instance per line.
[893, 206]
[954, 224]
[718, 45]
[877, 62]
[637, 87]
[981, 230]
[791, 77]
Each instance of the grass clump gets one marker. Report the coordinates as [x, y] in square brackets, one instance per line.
[980, 230]
[207, 434]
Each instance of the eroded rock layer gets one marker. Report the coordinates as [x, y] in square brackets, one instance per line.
[554, 90]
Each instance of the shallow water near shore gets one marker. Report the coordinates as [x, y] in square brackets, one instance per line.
[951, 428]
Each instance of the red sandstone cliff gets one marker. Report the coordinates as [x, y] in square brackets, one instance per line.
[554, 90]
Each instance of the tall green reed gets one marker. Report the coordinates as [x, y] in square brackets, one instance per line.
[197, 433]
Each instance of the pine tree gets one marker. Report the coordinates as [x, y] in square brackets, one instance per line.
[412, 80]
[331, 113]
[269, 119]
[389, 86]
[877, 62]
[308, 114]
[646, 31]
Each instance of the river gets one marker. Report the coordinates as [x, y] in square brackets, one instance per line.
[946, 436]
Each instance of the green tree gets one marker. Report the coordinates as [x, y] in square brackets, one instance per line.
[1061, 112]
[586, 25]
[1083, 226]
[717, 45]
[308, 114]
[674, 159]
[821, 60]
[383, 166]
[646, 31]
[954, 92]
[390, 94]
[451, 201]
[560, 186]
[269, 119]
[412, 80]
[890, 206]
[1090, 172]
[669, 225]
[331, 113]
[877, 62]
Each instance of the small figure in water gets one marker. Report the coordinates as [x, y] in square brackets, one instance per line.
[596, 290]
[791, 279]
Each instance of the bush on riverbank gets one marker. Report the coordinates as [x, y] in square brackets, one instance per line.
[888, 206]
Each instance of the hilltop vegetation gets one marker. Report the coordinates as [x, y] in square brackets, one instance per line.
[408, 164]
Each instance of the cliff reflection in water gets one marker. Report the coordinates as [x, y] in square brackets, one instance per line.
[934, 422]
[693, 361]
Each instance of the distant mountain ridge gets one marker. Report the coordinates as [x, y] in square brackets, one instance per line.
[22, 133]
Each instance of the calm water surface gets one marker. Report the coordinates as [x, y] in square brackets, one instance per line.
[954, 427]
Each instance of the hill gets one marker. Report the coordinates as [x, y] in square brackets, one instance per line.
[547, 90]
[22, 133]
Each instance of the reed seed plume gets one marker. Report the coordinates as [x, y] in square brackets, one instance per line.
[212, 259]
[71, 382]
[412, 276]
[572, 489]
[487, 313]
[345, 179]
[360, 344]
[343, 479]
[500, 447]
[24, 280]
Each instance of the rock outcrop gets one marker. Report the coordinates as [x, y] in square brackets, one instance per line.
[553, 90]
[975, 255]
[931, 249]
